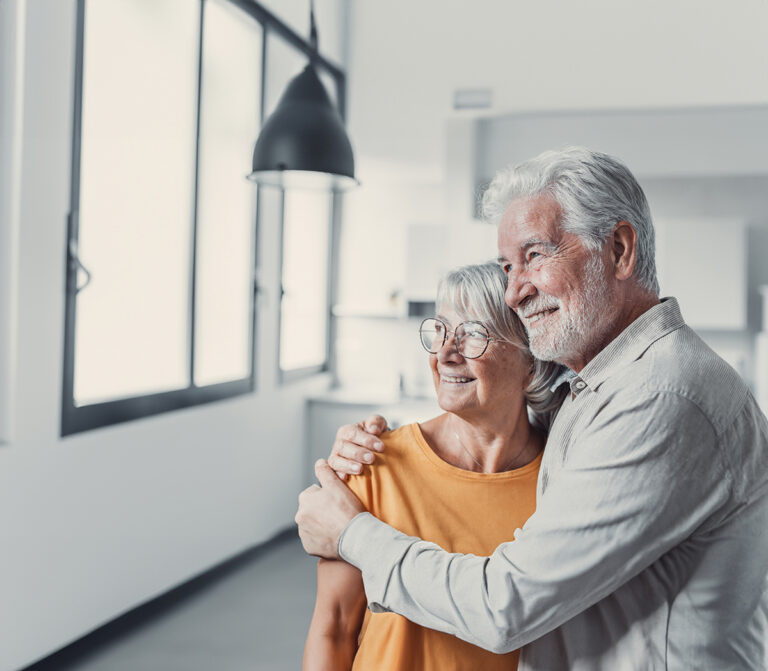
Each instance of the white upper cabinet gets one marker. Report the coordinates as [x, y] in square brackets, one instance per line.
[702, 263]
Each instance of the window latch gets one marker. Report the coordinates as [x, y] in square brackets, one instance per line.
[76, 265]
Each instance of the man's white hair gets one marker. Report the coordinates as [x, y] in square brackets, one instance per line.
[594, 190]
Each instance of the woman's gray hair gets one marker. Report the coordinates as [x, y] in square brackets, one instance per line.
[476, 293]
[594, 190]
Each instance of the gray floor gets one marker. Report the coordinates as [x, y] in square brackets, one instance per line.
[254, 618]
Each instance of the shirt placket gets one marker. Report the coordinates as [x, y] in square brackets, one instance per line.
[562, 430]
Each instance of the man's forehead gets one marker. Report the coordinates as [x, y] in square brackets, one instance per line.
[531, 217]
[515, 237]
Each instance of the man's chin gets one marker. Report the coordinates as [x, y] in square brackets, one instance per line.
[547, 351]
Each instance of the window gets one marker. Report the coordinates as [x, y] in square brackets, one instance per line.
[304, 314]
[162, 236]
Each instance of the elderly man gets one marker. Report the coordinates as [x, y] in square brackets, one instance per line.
[649, 545]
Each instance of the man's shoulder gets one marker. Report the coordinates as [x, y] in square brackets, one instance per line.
[683, 369]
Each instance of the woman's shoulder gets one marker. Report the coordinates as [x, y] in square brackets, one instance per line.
[399, 442]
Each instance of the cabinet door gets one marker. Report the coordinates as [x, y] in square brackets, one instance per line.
[702, 263]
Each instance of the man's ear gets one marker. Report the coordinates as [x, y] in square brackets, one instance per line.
[623, 250]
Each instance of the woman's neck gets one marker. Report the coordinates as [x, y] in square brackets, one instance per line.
[486, 446]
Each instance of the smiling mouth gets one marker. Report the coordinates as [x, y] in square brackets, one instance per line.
[538, 316]
[451, 379]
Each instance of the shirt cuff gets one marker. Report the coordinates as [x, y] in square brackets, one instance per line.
[352, 541]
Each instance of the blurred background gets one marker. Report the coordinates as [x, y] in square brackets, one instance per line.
[177, 344]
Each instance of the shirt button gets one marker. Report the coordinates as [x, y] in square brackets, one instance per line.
[580, 385]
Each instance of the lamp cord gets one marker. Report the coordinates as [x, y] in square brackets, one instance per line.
[312, 26]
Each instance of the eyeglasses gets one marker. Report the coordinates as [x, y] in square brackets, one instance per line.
[470, 338]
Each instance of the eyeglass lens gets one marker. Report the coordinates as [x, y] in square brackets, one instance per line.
[471, 338]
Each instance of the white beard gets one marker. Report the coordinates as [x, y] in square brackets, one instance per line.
[577, 326]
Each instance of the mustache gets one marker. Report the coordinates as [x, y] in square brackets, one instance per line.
[538, 304]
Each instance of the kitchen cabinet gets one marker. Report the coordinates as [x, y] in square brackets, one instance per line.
[702, 262]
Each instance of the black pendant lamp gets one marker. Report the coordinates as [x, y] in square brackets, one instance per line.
[303, 143]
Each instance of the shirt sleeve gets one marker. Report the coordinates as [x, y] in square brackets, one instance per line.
[634, 484]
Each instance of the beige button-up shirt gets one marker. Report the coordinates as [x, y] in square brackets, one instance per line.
[649, 545]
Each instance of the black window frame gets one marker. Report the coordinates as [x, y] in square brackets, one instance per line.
[76, 419]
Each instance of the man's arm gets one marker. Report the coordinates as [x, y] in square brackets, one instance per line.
[332, 640]
[627, 493]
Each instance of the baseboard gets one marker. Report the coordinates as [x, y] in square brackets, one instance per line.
[141, 615]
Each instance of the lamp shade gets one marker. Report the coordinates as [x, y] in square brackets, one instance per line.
[304, 143]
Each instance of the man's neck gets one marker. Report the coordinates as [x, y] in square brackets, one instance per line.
[624, 313]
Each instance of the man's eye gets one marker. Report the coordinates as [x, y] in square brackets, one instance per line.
[506, 268]
[533, 255]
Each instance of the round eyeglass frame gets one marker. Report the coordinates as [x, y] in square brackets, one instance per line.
[456, 341]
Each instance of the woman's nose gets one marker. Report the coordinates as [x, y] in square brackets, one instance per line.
[449, 351]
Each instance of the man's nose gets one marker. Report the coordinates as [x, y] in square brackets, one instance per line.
[519, 288]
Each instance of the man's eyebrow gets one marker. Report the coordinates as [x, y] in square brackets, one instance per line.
[532, 242]
[548, 244]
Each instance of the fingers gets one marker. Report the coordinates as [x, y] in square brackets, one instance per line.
[344, 467]
[355, 434]
[355, 453]
[325, 475]
[375, 424]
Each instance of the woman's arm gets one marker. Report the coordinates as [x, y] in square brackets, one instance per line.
[332, 640]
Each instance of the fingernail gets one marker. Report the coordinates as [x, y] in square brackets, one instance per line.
[357, 468]
[368, 458]
[378, 445]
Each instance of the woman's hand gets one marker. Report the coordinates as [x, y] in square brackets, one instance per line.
[355, 445]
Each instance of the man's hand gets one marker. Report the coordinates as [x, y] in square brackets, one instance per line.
[324, 511]
[356, 444]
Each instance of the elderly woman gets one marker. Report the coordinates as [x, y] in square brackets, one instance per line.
[464, 480]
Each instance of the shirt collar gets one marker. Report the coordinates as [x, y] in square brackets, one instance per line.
[566, 375]
[630, 344]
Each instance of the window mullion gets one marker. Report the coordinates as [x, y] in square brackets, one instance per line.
[195, 206]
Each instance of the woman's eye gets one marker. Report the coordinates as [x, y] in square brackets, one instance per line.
[474, 332]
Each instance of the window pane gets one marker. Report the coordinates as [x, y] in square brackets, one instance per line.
[231, 90]
[136, 194]
[304, 317]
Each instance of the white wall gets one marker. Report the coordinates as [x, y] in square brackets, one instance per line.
[96, 523]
